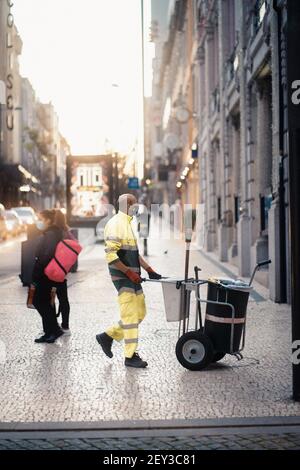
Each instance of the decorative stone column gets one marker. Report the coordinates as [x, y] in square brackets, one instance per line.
[244, 224]
[210, 238]
[224, 228]
[275, 271]
[201, 229]
[260, 249]
[236, 176]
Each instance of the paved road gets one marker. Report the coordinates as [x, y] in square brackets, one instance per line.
[10, 257]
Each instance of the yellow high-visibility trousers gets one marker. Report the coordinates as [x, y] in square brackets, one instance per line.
[132, 312]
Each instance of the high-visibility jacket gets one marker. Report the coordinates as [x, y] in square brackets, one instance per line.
[121, 245]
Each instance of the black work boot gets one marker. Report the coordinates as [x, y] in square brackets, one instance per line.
[135, 361]
[105, 342]
[46, 339]
[42, 339]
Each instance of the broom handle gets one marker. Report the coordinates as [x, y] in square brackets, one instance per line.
[187, 261]
[186, 276]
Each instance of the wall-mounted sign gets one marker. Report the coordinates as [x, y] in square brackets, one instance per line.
[133, 183]
[9, 77]
[89, 188]
[2, 92]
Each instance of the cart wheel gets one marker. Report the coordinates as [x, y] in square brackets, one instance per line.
[194, 350]
[218, 356]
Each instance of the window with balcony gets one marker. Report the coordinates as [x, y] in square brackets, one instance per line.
[256, 13]
[260, 10]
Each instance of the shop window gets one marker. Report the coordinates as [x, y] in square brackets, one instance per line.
[265, 205]
[163, 173]
[219, 209]
[236, 209]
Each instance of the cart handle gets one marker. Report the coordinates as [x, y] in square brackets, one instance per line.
[258, 266]
[263, 263]
[145, 279]
[178, 283]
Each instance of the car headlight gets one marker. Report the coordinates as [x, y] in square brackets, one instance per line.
[9, 225]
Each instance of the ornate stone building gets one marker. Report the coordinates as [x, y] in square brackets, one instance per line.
[218, 88]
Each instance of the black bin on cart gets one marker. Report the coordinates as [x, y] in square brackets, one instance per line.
[225, 328]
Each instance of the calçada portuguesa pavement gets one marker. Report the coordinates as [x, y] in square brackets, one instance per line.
[72, 381]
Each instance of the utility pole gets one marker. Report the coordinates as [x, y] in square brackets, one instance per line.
[144, 107]
[293, 107]
[115, 171]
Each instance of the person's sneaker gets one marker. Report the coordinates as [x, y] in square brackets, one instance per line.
[135, 361]
[105, 342]
[52, 338]
[67, 331]
[58, 334]
[46, 339]
[42, 339]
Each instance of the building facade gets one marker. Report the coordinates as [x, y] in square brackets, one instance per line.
[217, 84]
[32, 150]
[11, 176]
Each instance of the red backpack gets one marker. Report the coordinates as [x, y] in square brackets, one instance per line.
[65, 257]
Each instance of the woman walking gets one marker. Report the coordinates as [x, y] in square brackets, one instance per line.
[52, 224]
[62, 289]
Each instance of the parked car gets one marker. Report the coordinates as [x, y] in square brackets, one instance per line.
[26, 214]
[13, 223]
[3, 230]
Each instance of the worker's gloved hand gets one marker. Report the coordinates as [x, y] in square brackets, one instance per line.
[152, 274]
[133, 276]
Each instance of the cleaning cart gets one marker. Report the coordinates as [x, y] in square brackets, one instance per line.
[222, 330]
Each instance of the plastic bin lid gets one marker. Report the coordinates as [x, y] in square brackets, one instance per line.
[237, 284]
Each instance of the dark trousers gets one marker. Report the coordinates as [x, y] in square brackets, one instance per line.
[64, 305]
[42, 302]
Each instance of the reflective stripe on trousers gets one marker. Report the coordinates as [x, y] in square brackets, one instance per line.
[132, 311]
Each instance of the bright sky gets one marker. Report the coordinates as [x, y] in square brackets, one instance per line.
[74, 51]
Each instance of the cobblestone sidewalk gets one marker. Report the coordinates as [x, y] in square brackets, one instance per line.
[71, 380]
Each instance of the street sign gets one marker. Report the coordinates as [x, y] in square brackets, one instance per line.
[133, 183]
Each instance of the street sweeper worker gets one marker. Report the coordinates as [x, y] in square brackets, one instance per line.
[125, 262]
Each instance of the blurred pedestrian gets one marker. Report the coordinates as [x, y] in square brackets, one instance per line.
[53, 226]
[62, 289]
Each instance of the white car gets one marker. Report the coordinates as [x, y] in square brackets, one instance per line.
[13, 223]
[26, 214]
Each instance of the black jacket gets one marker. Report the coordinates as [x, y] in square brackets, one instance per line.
[45, 251]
